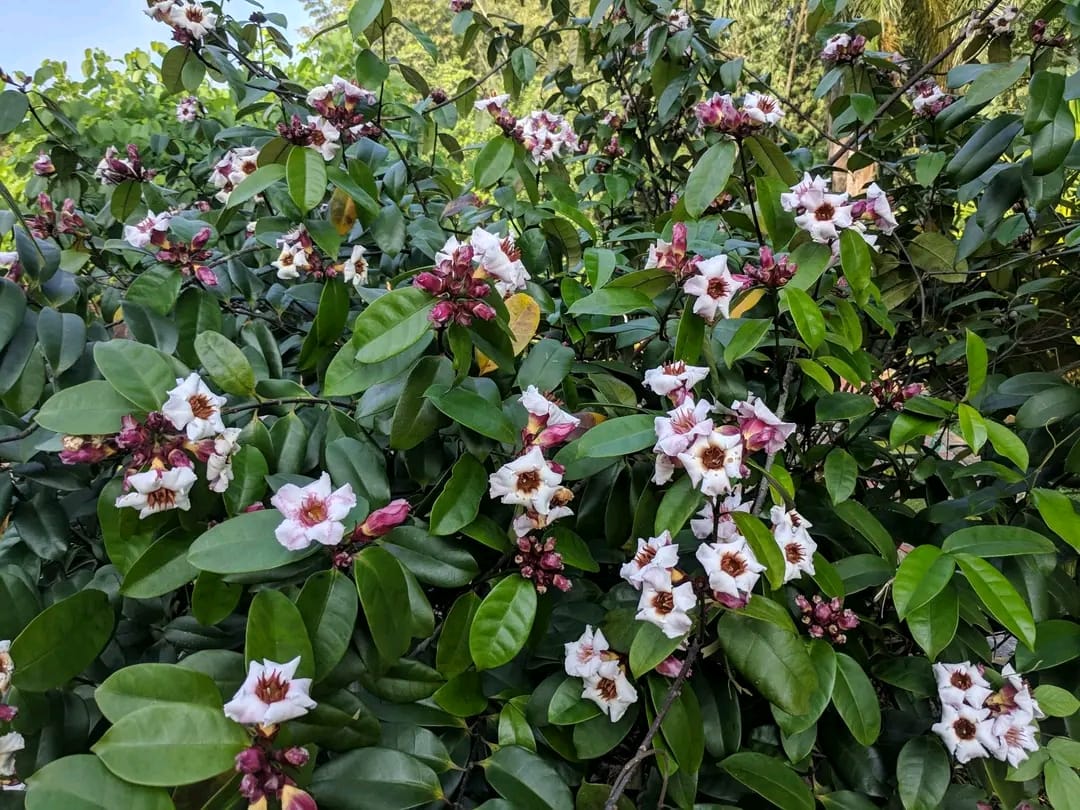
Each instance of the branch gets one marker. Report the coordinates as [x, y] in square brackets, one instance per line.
[19, 436]
[270, 403]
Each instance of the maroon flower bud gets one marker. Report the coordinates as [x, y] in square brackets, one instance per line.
[296, 756]
[439, 96]
[250, 788]
[429, 283]
[43, 166]
[250, 760]
[292, 798]
[482, 310]
[442, 313]
[7, 713]
[381, 521]
[255, 507]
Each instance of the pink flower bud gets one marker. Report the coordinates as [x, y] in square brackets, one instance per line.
[296, 756]
[8, 713]
[551, 561]
[250, 760]
[482, 311]
[292, 798]
[561, 582]
[250, 788]
[670, 667]
[255, 507]
[442, 313]
[381, 521]
[206, 276]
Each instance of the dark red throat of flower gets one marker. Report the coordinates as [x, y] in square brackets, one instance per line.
[683, 421]
[607, 688]
[733, 565]
[663, 602]
[313, 512]
[824, 213]
[528, 481]
[961, 680]
[512, 251]
[964, 729]
[676, 368]
[194, 14]
[717, 288]
[794, 553]
[161, 499]
[713, 458]
[645, 556]
[271, 688]
[200, 406]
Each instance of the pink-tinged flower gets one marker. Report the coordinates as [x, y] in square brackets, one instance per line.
[960, 684]
[355, 269]
[724, 523]
[270, 694]
[10, 744]
[824, 215]
[1013, 737]
[324, 137]
[43, 166]
[531, 521]
[86, 449]
[714, 462]
[763, 108]
[903, 550]
[670, 667]
[843, 48]
[159, 9]
[879, 209]
[610, 689]
[290, 262]
[193, 408]
[682, 426]
[113, 170]
[790, 531]
[666, 605]
[8, 712]
[194, 19]
[546, 135]
[540, 562]
[772, 272]
[187, 109]
[492, 104]
[657, 554]
[714, 287]
[664, 469]
[206, 276]
[806, 190]
[219, 471]
[501, 259]
[382, 521]
[251, 760]
[928, 99]
[732, 569]
[293, 798]
[584, 656]
[1014, 698]
[826, 618]
[143, 232]
[7, 666]
[296, 756]
[966, 731]
[674, 380]
[548, 424]
[672, 256]
[158, 491]
[528, 481]
[761, 428]
[312, 513]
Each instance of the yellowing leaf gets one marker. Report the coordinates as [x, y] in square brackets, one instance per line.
[342, 211]
[524, 321]
[747, 302]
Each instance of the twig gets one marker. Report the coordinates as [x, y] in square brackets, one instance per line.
[270, 403]
[22, 434]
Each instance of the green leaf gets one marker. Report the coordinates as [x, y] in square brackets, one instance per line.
[362, 14]
[383, 594]
[305, 172]
[596, 737]
[567, 707]
[1062, 786]
[503, 622]
[611, 301]
[823, 658]
[12, 309]
[160, 569]
[526, 781]
[1051, 144]
[1046, 93]
[855, 699]
[649, 647]
[841, 474]
[459, 503]
[773, 660]
[362, 466]
[257, 182]
[682, 727]
[473, 411]
[375, 778]
[62, 641]
[452, 655]
[243, 544]
[90, 408]
[545, 366]
[125, 199]
[276, 632]
[226, 364]
[708, 177]
[855, 261]
[983, 148]
[677, 506]
[136, 687]
[415, 418]
[976, 362]
[999, 596]
[922, 774]
[138, 372]
[771, 779]
[328, 606]
[1059, 513]
[249, 480]
[1058, 643]
[391, 324]
[432, 560]
[1055, 701]
[933, 626]
[924, 573]
[13, 108]
[807, 316]
[764, 545]
[859, 518]
[493, 161]
[62, 336]
[997, 541]
[83, 783]
[1007, 444]
[171, 744]
[618, 437]
[213, 599]
[746, 339]
[388, 229]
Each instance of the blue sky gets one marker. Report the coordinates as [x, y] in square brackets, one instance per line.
[34, 30]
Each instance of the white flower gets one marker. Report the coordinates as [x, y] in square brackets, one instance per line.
[324, 137]
[499, 258]
[664, 605]
[352, 92]
[547, 135]
[714, 461]
[194, 408]
[1013, 737]
[291, 261]
[529, 521]
[714, 287]
[834, 46]
[7, 666]
[966, 731]
[824, 215]
[187, 109]
[194, 18]
[763, 108]
[807, 187]
[664, 469]
[528, 481]
[270, 695]
[491, 102]
[678, 430]
[584, 656]
[140, 234]
[796, 544]
[8, 258]
[655, 554]
[677, 20]
[160, 10]
[674, 380]
[880, 208]
[732, 569]
[702, 525]
[356, 267]
[219, 472]
[538, 405]
[1015, 697]
[158, 491]
[10, 744]
[961, 683]
[319, 93]
[610, 689]
[312, 513]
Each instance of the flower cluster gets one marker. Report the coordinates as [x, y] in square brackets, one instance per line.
[999, 24]
[537, 560]
[843, 48]
[47, 224]
[823, 214]
[43, 165]
[709, 280]
[720, 113]
[337, 104]
[602, 671]
[1037, 32]
[772, 271]
[112, 170]
[826, 619]
[188, 257]
[235, 165]
[977, 721]
[928, 99]
[298, 253]
[888, 392]
[191, 21]
[548, 423]
[317, 134]
[653, 571]
[187, 109]
[263, 774]
[547, 135]
[790, 532]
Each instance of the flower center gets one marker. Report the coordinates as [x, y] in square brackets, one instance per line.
[675, 369]
[824, 213]
[200, 406]
[961, 680]
[964, 729]
[161, 498]
[1015, 736]
[585, 652]
[645, 556]
[317, 137]
[512, 251]
[313, 512]
[732, 564]
[528, 481]
[271, 688]
[663, 602]
[194, 14]
[607, 688]
[794, 553]
[713, 458]
[717, 288]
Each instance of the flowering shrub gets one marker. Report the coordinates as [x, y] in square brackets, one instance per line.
[664, 461]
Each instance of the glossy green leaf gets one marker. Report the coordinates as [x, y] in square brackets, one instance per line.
[650, 647]
[1059, 513]
[807, 316]
[774, 661]
[933, 625]
[62, 641]
[771, 779]
[82, 782]
[374, 779]
[140, 685]
[90, 408]
[997, 541]
[305, 172]
[999, 596]
[854, 697]
[459, 503]
[708, 177]
[679, 503]
[924, 573]
[618, 437]
[452, 655]
[764, 545]
[383, 593]
[432, 560]
[473, 411]
[503, 622]
[527, 781]
[922, 774]
[225, 364]
[841, 474]
[328, 605]
[243, 544]
[493, 161]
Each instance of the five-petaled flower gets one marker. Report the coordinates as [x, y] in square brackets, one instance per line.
[732, 569]
[610, 689]
[584, 656]
[666, 605]
[656, 554]
[270, 694]
[193, 408]
[714, 287]
[674, 380]
[714, 461]
[158, 490]
[313, 513]
[529, 481]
